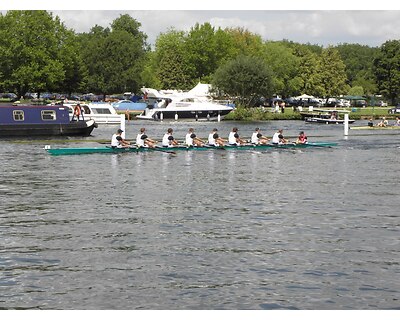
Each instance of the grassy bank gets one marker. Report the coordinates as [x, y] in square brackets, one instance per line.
[257, 114]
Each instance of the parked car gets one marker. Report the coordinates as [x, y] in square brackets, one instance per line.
[30, 95]
[394, 110]
[9, 95]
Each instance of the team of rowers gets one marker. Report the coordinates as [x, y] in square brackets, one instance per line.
[191, 139]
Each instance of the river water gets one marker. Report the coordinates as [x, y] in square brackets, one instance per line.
[278, 229]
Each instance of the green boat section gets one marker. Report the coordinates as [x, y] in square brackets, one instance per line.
[109, 150]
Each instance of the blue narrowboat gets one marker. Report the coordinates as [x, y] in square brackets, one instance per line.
[27, 121]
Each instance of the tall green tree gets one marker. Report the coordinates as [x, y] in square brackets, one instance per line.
[173, 68]
[246, 78]
[359, 65]
[34, 50]
[309, 72]
[284, 64]
[387, 70]
[114, 56]
[333, 73]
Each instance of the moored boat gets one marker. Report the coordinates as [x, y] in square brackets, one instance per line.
[325, 116]
[28, 121]
[133, 149]
[181, 106]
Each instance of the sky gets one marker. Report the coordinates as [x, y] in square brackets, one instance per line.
[306, 21]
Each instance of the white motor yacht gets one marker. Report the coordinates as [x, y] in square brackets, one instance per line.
[176, 105]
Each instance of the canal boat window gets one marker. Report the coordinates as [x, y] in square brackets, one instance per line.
[18, 115]
[48, 115]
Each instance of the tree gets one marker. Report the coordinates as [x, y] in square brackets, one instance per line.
[34, 51]
[114, 56]
[359, 63]
[245, 78]
[308, 74]
[387, 69]
[284, 64]
[333, 74]
[173, 68]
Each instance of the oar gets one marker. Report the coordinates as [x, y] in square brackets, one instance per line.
[157, 148]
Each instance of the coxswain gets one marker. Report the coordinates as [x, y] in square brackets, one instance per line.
[168, 139]
[214, 139]
[143, 141]
[278, 138]
[258, 138]
[192, 140]
[117, 141]
[234, 139]
[302, 138]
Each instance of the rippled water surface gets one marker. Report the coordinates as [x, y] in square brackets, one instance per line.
[215, 229]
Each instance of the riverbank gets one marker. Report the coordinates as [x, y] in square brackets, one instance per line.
[260, 114]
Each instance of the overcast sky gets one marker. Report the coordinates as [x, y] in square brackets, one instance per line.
[305, 21]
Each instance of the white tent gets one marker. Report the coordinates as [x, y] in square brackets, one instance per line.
[305, 96]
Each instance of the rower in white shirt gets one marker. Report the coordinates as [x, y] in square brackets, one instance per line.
[214, 139]
[234, 138]
[192, 140]
[258, 138]
[143, 141]
[278, 138]
[168, 140]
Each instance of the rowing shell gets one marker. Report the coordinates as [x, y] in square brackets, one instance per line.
[106, 149]
[375, 128]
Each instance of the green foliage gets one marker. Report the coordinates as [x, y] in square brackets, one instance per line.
[38, 53]
[333, 74]
[33, 51]
[356, 91]
[387, 69]
[173, 68]
[114, 58]
[247, 78]
[359, 65]
[284, 64]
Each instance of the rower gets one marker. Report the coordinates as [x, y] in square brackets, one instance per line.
[192, 140]
[302, 138]
[168, 140]
[234, 139]
[214, 139]
[258, 138]
[278, 138]
[117, 141]
[143, 141]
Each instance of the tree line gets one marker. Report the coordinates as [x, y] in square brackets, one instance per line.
[39, 53]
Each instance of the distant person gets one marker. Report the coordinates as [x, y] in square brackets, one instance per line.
[278, 138]
[258, 138]
[192, 140]
[77, 112]
[302, 138]
[168, 139]
[370, 122]
[383, 122]
[397, 122]
[117, 141]
[234, 139]
[143, 141]
[214, 139]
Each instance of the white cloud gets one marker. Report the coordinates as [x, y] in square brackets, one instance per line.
[323, 27]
